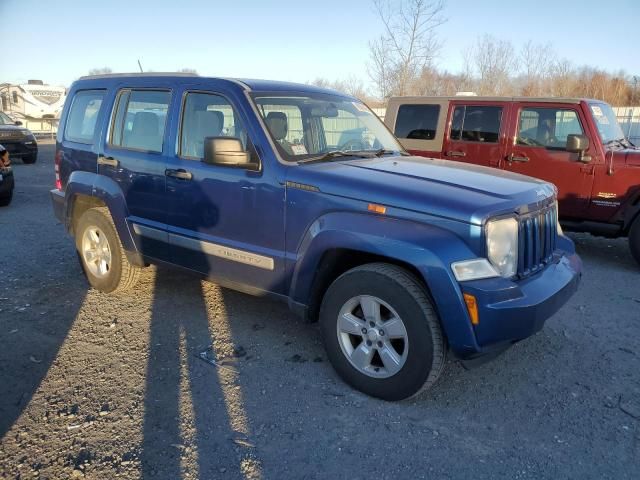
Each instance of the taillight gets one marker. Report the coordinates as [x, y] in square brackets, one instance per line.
[58, 159]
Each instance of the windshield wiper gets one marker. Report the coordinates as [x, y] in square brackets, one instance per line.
[384, 151]
[618, 141]
[627, 143]
[335, 154]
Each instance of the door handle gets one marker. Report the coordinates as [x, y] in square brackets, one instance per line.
[112, 162]
[180, 173]
[456, 154]
[517, 158]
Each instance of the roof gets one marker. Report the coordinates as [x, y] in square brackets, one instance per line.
[248, 84]
[473, 98]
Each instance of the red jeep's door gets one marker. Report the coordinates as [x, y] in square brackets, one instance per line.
[539, 133]
[477, 132]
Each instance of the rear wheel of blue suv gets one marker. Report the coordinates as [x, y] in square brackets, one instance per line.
[100, 252]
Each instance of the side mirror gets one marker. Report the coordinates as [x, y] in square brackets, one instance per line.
[227, 152]
[578, 144]
[18, 122]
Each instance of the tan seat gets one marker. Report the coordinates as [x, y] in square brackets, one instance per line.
[278, 126]
[145, 133]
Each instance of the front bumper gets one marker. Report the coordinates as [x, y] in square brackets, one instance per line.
[511, 311]
[22, 148]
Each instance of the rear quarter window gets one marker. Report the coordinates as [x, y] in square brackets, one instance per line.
[417, 122]
[472, 123]
[83, 116]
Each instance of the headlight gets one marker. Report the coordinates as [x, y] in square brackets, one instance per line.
[26, 133]
[502, 245]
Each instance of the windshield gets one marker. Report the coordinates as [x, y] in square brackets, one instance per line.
[606, 121]
[308, 126]
[5, 120]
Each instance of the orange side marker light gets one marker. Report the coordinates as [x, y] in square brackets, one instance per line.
[375, 208]
[472, 308]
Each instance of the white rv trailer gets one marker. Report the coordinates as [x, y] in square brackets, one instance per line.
[35, 104]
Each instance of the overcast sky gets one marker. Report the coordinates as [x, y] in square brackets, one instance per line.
[58, 41]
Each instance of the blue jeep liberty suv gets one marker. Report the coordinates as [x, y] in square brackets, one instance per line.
[302, 194]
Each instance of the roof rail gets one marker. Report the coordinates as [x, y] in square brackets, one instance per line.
[138, 74]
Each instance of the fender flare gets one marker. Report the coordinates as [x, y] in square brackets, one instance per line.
[109, 192]
[430, 249]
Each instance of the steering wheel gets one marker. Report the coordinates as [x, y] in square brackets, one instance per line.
[352, 144]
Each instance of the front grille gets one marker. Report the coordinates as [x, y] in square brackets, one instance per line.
[11, 135]
[537, 240]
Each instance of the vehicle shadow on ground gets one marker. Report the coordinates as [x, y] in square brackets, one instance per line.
[213, 427]
[613, 252]
[35, 325]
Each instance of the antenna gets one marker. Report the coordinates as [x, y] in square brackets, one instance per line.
[139, 65]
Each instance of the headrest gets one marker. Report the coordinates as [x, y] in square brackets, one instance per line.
[145, 124]
[277, 124]
[208, 123]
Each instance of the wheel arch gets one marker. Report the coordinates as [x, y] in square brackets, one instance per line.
[86, 190]
[338, 242]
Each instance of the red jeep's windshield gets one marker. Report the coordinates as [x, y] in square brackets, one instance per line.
[607, 123]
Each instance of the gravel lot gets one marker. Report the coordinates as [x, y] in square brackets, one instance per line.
[101, 386]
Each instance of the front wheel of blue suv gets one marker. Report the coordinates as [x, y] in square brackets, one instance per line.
[381, 332]
[100, 252]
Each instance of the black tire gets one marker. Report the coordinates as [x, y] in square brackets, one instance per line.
[29, 159]
[6, 200]
[634, 239]
[122, 275]
[426, 354]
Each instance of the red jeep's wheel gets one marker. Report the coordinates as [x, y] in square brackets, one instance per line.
[634, 239]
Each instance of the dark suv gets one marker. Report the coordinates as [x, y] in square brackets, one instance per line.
[18, 140]
[302, 194]
[6, 179]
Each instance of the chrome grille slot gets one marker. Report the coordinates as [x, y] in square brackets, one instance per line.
[537, 240]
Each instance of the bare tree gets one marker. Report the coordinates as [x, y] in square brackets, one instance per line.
[381, 72]
[351, 85]
[537, 62]
[100, 71]
[563, 79]
[408, 45]
[495, 63]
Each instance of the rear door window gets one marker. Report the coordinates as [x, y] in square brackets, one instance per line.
[83, 116]
[547, 127]
[140, 120]
[476, 123]
[417, 122]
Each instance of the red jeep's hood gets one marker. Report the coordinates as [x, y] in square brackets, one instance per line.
[630, 156]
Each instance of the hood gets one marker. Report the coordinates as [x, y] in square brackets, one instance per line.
[630, 156]
[11, 128]
[454, 190]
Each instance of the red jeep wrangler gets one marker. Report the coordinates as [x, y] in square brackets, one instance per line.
[577, 144]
